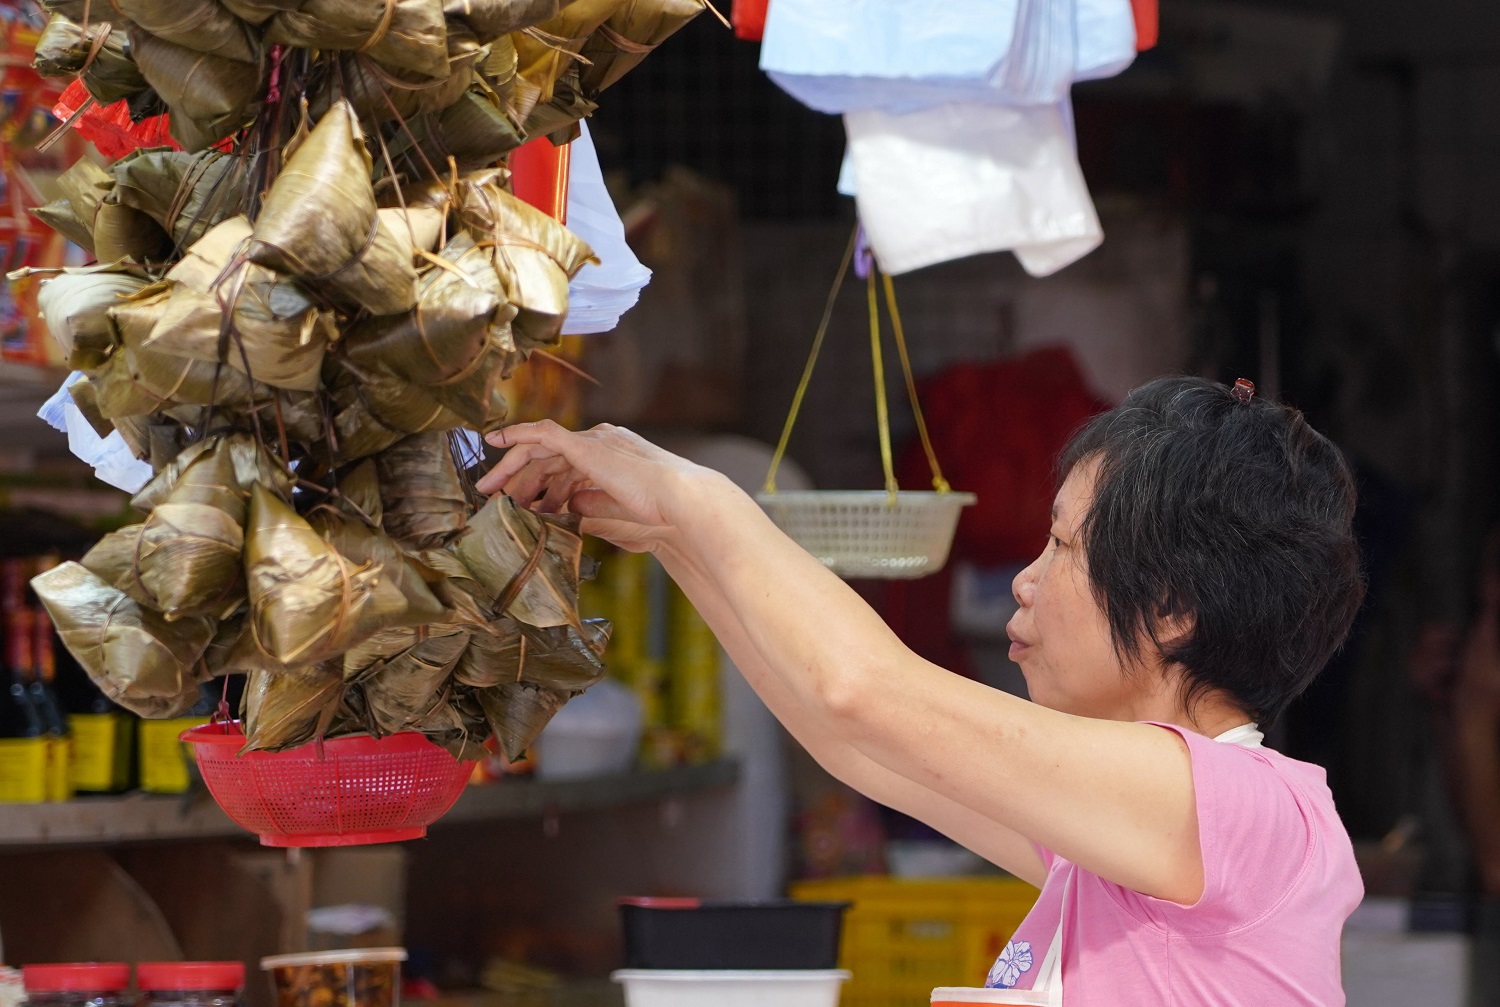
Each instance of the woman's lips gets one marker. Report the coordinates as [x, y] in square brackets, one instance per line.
[1017, 649]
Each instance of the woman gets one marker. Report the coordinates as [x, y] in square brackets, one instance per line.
[1200, 571]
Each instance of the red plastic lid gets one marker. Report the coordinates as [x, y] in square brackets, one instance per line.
[662, 902]
[151, 976]
[89, 977]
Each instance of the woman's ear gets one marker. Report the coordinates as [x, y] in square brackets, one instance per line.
[1173, 627]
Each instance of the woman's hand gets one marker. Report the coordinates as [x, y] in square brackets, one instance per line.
[628, 490]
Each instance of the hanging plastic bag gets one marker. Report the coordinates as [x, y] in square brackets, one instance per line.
[966, 178]
[111, 458]
[601, 293]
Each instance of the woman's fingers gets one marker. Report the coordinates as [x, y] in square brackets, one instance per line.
[529, 440]
[514, 461]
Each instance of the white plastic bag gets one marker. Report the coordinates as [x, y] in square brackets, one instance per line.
[842, 55]
[111, 458]
[599, 294]
[964, 178]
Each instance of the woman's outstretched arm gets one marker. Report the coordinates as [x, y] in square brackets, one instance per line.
[1115, 798]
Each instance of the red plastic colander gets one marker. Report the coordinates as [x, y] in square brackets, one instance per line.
[346, 792]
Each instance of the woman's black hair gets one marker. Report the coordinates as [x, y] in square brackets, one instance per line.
[1233, 519]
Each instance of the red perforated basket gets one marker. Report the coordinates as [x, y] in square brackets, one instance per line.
[344, 792]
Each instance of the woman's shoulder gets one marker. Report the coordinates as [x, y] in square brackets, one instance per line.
[1271, 840]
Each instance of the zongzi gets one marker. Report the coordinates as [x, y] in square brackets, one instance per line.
[320, 223]
[185, 193]
[619, 44]
[64, 49]
[422, 492]
[200, 25]
[527, 562]
[134, 656]
[188, 555]
[75, 305]
[400, 34]
[308, 603]
[210, 97]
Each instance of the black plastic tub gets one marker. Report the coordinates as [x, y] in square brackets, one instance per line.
[689, 934]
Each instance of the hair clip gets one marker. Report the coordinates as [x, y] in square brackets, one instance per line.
[1243, 391]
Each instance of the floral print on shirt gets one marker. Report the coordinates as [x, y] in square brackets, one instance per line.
[1015, 959]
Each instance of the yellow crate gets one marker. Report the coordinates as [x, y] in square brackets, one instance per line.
[903, 938]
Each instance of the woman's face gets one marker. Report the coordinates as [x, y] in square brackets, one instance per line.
[1060, 636]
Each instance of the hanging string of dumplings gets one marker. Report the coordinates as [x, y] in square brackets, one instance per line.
[291, 312]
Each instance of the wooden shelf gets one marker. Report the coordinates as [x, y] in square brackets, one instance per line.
[137, 818]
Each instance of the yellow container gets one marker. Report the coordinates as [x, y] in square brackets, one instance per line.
[905, 937]
[60, 768]
[102, 743]
[23, 770]
[693, 682]
[164, 759]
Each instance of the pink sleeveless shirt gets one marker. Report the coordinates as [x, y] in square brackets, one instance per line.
[1279, 881]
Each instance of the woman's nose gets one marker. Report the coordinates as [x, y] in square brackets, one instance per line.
[1024, 586]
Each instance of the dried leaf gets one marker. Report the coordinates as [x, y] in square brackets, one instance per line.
[404, 676]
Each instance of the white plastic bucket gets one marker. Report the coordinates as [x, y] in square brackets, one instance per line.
[663, 988]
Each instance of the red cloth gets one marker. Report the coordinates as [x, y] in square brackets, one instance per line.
[749, 18]
[1147, 23]
[998, 429]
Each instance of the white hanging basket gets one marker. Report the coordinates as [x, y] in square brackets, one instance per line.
[864, 534]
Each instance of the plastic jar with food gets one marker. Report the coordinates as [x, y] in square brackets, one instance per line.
[190, 984]
[83, 984]
[366, 977]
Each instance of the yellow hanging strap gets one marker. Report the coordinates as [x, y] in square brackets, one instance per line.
[812, 361]
[882, 412]
[938, 482]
